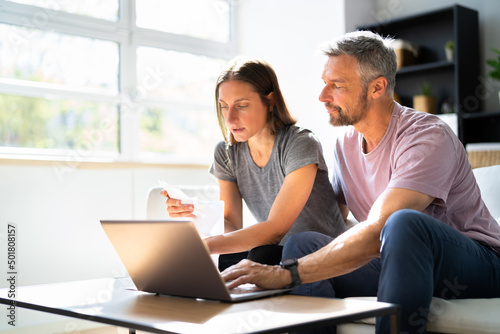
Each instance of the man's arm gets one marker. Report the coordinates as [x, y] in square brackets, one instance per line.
[349, 251]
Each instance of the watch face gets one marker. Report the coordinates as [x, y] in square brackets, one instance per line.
[288, 262]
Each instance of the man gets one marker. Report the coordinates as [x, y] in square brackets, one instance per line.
[405, 176]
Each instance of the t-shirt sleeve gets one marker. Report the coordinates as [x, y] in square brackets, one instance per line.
[424, 161]
[302, 150]
[221, 166]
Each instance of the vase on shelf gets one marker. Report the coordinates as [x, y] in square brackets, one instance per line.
[425, 103]
[449, 50]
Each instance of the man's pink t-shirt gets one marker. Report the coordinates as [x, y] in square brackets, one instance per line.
[421, 153]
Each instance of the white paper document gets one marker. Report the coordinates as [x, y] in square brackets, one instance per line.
[208, 213]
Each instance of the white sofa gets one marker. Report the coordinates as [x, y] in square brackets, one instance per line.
[467, 316]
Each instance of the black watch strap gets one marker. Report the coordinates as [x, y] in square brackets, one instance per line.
[292, 266]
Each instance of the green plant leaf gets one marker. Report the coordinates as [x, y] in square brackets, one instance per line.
[492, 62]
[425, 88]
[494, 75]
[495, 63]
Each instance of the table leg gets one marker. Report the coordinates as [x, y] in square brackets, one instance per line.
[395, 322]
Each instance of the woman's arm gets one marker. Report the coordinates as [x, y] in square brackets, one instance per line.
[286, 207]
[233, 206]
[344, 210]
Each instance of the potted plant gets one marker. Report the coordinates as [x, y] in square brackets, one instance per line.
[449, 49]
[425, 101]
[495, 63]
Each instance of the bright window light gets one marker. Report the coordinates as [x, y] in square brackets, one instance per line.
[77, 76]
[58, 124]
[181, 85]
[206, 19]
[177, 76]
[178, 131]
[72, 61]
[100, 9]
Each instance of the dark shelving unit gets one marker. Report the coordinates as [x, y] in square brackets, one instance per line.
[456, 80]
[437, 65]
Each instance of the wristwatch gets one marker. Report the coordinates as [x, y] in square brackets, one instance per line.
[292, 266]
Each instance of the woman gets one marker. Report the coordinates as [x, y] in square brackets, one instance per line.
[266, 160]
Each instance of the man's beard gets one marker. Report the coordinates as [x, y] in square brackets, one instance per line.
[342, 118]
[339, 117]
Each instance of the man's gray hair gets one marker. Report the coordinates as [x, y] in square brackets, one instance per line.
[374, 54]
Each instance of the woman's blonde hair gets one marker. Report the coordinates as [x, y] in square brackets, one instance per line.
[260, 75]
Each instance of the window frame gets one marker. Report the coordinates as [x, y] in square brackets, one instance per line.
[128, 36]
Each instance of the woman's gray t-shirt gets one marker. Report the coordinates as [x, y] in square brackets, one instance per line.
[293, 148]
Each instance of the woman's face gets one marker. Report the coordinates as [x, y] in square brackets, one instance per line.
[244, 111]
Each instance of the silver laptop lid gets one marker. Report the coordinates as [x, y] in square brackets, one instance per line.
[166, 257]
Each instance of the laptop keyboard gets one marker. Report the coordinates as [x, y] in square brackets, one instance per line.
[245, 288]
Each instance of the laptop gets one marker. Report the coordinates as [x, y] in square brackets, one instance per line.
[169, 257]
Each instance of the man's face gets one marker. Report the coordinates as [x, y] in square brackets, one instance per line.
[344, 95]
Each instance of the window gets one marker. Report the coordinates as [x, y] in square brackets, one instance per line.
[187, 123]
[108, 9]
[79, 78]
[196, 18]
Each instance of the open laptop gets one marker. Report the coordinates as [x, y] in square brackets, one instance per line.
[169, 257]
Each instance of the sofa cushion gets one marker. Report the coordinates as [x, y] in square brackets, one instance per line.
[488, 180]
[467, 316]
[355, 328]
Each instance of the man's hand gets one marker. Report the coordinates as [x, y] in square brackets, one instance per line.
[264, 276]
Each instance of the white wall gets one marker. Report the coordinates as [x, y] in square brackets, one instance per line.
[286, 33]
[359, 12]
[59, 237]
[489, 26]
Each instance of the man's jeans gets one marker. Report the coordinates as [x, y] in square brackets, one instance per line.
[420, 257]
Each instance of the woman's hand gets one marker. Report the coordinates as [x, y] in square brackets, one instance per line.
[176, 209]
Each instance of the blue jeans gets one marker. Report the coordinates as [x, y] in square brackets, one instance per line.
[266, 254]
[420, 257]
